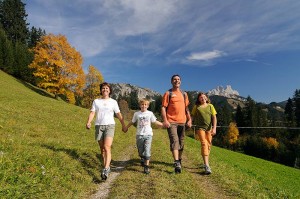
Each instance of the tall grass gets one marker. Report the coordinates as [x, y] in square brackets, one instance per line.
[45, 152]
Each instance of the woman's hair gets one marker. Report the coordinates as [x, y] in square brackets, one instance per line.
[199, 94]
[105, 84]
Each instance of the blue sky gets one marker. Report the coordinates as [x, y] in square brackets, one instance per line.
[254, 46]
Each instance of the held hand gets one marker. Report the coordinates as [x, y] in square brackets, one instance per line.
[166, 124]
[124, 129]
[159, 124]
[189, 123]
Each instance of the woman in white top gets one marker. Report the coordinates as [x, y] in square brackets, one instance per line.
[105, 108]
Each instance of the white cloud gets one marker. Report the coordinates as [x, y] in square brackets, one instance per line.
[206, 56]
[131, 17]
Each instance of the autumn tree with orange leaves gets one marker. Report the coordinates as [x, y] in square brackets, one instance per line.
[58, 67]
[232, 134]
[92, 88]
[271, 142]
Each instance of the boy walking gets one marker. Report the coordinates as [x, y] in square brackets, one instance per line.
[144, 132]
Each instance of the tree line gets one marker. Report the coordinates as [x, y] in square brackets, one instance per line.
[44, 60]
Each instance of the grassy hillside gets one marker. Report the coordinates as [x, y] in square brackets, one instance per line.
[45, 152]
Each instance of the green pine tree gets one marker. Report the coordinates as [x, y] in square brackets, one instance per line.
[296, 100]
[35, 35]
[6, 53]
[251, 114]
[134, 101]
[13, 19]
[289, 113]
[23, 58]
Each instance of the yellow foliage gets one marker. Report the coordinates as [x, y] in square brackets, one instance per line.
[271, 142]
[232, 133]
[70, 97]
[58, 66]
[93, 80]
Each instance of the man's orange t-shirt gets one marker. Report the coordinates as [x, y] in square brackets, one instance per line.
[176, 107]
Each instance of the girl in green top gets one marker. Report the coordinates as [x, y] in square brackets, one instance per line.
[205, 120]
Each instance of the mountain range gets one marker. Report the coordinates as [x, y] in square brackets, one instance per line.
[122, 89]
[226, 92]
[219, 96]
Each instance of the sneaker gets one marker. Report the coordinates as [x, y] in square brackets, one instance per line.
[202, 166]
[207, 170]
[177, 166]
[146, 169]
[142, 162]
[105, 173]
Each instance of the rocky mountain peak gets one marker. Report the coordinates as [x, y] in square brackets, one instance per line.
[226, 92]
[121, 89]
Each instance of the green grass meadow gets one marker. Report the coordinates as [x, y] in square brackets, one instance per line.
[46, 152]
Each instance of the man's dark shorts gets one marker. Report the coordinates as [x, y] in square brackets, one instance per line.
[176, 135]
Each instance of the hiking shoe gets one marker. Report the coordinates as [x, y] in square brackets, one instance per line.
[177, 166]
[207, 170]
[142, 162]
[146, 169]
[202, 166]
[104, 174]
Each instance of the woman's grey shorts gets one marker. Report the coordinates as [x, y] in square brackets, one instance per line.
[103, 131]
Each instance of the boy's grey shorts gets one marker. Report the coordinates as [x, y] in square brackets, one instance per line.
[103, 131]
[143, 143]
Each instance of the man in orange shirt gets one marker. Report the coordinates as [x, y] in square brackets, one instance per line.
[175, 115]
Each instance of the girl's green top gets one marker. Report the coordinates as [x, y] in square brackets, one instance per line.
[202, 116]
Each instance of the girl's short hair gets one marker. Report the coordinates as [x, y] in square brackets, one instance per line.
[199, 94]
[144, 100]
[106, 84]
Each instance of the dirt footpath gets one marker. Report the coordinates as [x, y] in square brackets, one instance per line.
[116, 169]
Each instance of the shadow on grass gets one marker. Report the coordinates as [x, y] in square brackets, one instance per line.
[129, 164]
[199, 172]
[118, 166]
[165, 166]
[87, 161]
[137, 162]
[37, 90]
[196, 170]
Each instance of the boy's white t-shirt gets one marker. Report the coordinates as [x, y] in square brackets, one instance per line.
[144, 120]
[105, 109]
